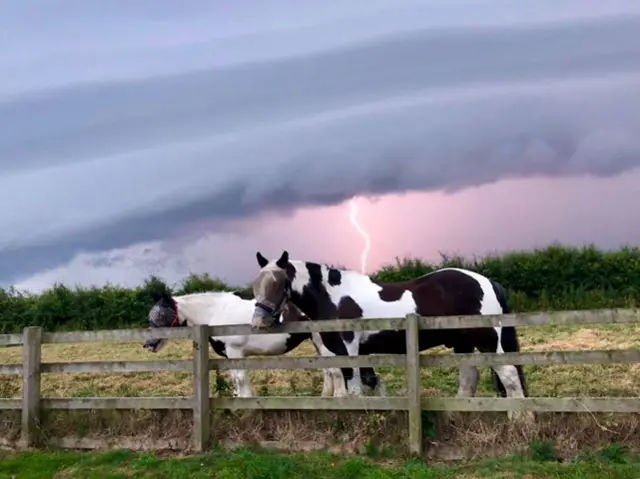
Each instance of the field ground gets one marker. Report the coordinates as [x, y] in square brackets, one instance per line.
[245, 464]
[588, 380]
[457, 436]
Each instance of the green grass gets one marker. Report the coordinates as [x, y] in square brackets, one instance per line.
[246, 464]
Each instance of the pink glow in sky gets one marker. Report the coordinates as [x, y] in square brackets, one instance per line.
[507, 215]
[516, 214]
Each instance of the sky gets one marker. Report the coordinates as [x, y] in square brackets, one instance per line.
[156, 137]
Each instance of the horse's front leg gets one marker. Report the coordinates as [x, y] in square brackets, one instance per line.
[242, 384]
[328, 376]
[354, 384]
[240, 377]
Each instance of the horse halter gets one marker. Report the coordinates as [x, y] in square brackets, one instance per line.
[275, 312]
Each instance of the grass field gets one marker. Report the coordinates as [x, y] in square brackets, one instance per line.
[591, 380]
[464, 436]
[245, 464]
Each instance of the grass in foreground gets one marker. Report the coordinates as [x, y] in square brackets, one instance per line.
[246, 464]
[588, 380]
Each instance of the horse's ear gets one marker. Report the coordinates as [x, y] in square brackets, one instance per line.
[262, 261]
[284, 259]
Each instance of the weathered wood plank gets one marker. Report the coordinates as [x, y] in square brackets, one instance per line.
[312, 326]
[10, 340]
[118, 403]
[414, 385]
[586, 404]
[536, 404]
[610, 316]
[576, 317]
[117, 335]
[308, 362]
[310, 403]
[31, 359]
[11, 369]
[112, 367]
[543, 358]
[201, 396]
[118, 442]
[10, 404]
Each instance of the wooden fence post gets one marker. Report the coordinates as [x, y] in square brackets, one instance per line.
[201, 399]
[414, 385]
[31, 356]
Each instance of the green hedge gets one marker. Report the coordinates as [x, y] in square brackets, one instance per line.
[552, 278]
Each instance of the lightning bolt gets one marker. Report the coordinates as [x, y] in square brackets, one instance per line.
[353, 219]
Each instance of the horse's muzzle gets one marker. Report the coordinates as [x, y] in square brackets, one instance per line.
[261, 318]
[154, 345]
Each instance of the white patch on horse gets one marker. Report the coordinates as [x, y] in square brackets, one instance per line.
[225, 308]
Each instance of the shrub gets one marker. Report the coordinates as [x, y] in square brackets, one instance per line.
[552, 278]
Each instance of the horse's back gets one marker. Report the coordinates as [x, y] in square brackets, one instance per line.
[457, 291]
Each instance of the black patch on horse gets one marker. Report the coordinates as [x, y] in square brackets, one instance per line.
[348, 309]
[334, 277]
[218, 347]
[291, 271]
[315, 275]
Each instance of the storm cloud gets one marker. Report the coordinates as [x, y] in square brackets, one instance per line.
[123, 122]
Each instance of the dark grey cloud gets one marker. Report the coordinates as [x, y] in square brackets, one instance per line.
[110, 144]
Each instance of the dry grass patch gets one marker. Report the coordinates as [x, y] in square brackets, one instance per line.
[448, 437]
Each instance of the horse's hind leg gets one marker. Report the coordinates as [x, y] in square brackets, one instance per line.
[510, 377]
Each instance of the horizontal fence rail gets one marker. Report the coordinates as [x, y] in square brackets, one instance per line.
[199, 366]
[575, 318]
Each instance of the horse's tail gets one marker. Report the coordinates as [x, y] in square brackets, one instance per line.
[509, 341]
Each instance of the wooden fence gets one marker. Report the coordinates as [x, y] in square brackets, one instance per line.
[201, 403]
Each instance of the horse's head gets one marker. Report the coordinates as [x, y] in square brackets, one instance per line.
[271, 289]
[282, 280]
[163, 314]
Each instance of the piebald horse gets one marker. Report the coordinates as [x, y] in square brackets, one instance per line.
[224, 308]
[322, 292]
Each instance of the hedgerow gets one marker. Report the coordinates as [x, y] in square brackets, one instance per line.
[552, 278]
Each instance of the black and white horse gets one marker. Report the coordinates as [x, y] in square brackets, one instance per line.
[322, 292]
[223, 308]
